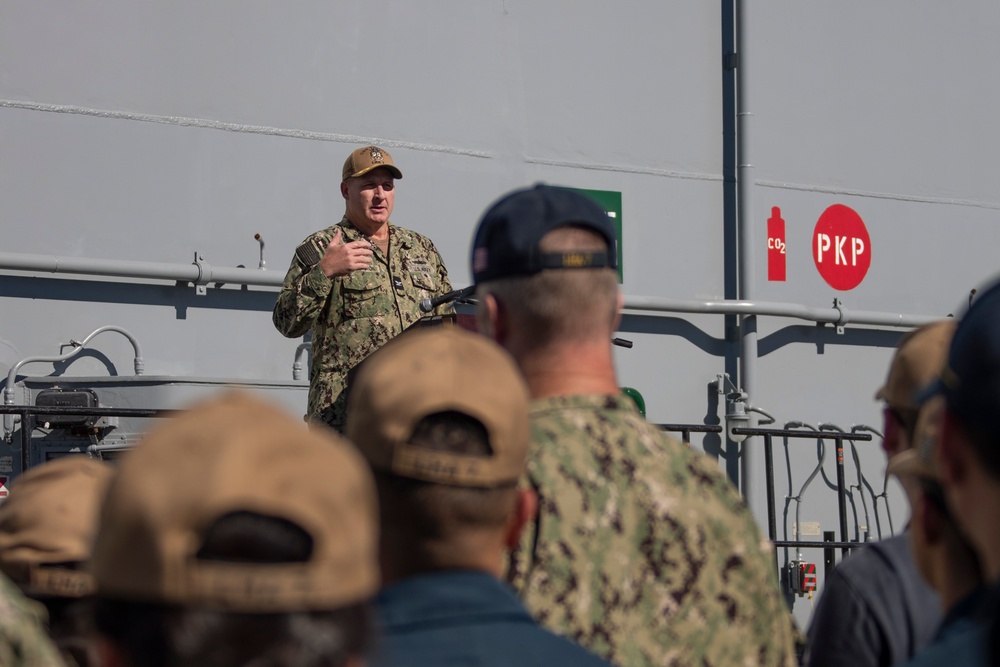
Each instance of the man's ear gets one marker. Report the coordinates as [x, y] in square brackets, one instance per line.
[491, 319]
[343, 189]
[525, 511]
[951, 450]
[619, 306]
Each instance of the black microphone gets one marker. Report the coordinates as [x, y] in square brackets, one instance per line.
[427, 305]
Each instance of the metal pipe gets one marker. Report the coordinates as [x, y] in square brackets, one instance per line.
[841, 494]
[300, 352]
[772, 519]
[832, 315]
[829, 555]
[260, 240]
[8, 393]
[798, 497]
[191, 273]
[745, 228]
[860, 485]
[816, 544]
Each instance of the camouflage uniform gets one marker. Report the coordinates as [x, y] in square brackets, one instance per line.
[352, 316]
[23, 638]
[643, 551]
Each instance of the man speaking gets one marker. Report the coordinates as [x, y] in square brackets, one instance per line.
[357, 284]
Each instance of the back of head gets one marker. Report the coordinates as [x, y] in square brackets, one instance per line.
[943, 554]
[230, 532]
[970, 380]
[441, 415]
[918, 361]
[522, 249]
[47, 528]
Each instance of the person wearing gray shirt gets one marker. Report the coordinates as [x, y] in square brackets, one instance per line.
[875, 608]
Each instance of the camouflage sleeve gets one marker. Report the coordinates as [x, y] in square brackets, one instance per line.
[442, 280]
[304, 291]
[24, 641]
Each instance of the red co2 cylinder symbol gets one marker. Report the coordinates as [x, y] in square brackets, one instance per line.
[775, 246]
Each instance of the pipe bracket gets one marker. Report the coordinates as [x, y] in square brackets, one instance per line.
[204, 270]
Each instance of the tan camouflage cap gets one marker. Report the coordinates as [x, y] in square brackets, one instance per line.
[433, 370]
[919, 360]
[47, 526]
[365, 159]
[238, 453]
[921, 461]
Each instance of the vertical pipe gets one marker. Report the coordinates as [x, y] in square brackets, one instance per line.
[746, 232]
[27, 428]
[829, 555]
[772, 521]
[842, 494]
[730, 264]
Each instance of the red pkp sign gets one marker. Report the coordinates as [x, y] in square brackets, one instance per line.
[841, 247]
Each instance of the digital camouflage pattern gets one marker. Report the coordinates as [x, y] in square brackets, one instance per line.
[643, 551]
[352, 316]
[24, 641]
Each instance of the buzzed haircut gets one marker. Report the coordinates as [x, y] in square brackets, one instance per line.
[565, 305]
[428, 510]
[162, 635]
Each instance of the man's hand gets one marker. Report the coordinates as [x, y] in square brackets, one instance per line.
[341, 258]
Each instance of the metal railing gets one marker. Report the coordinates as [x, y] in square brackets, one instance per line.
[838, 437]
[687, 429]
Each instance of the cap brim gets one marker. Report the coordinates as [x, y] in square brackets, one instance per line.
[396, 173]
[909, 463]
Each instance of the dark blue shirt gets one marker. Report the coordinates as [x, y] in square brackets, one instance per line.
[875, 609]
[464, 618]
[962, 637]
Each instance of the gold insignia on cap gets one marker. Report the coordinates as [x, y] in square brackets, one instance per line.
[577, 260]
[376, 154]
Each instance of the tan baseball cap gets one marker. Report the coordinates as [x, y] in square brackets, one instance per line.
[921, 460]
[237, 453]
[424, 372]
[47, 526]
[919, 360]
[365, 159]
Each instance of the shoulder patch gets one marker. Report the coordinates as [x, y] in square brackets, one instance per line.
[308, 254]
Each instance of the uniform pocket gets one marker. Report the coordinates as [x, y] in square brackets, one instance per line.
[360, 292]
[422, 278]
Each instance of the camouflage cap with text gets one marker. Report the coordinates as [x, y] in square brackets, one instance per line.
[237, 453]
[363, 160]
[507, 239]
[433, 370]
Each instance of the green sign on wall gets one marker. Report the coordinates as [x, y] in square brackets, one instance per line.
[611, 202]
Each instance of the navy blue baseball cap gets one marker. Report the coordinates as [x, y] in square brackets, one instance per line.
[506, 242]
[970, 382]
